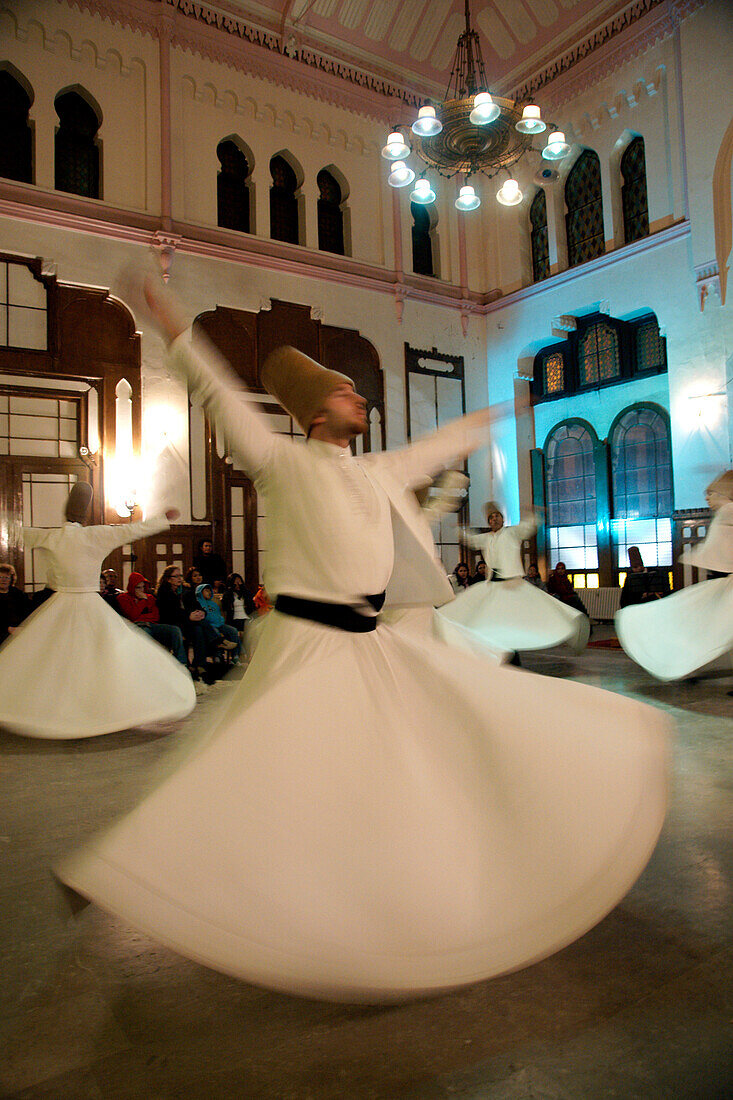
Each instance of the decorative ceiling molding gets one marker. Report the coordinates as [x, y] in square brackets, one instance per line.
[576, 70]
[243, 44]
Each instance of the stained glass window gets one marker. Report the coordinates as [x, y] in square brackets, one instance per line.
[649, 346]
[633, 192]
[422, 244]
[641, 472]
[330, 214]
[232, 187]
[554, 373]
[598, 355]
[584, 219]
[16, 146]
[571, 497]
[540, 248]
[76, 149]
[284, 221]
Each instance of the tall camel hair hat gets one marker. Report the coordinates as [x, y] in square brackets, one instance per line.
[723, 484]
[79, 502]
[299, 383]
[492, 506]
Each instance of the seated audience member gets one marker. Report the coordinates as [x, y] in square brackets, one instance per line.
[228, 636]
[14, 604]
[192, 624]
[559, 586]
[533, 577]
[261, 600]
[237, 605]
[211, 566]
[139, 606]
[459, 577]
[642, 584]
[481, 572]
[108, 589]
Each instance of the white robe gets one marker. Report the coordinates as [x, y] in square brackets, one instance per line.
[680, 634]
[75, 668]
[376, 815]
[509, 614]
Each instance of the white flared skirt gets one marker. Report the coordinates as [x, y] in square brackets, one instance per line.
[377, 816]
[510, 615]
[75, 668]
[682, 633]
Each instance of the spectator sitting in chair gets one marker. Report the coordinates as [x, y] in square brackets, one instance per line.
[642, 584]
[237, 605]
[459, 577]
[559, 586]
[139, 606]
[229, 637]
[14, 604]
[533, 576]
[480, 574]
[191, 622]
[108, 589]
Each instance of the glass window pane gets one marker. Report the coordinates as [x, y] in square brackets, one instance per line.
[26, 328]
[23, 289]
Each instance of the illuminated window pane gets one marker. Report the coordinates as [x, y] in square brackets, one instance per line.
[554, 373]
[649, 347]
[598, 357]
[641, 465]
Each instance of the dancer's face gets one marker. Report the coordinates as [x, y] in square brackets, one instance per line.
[344, 413]
[715, 499]
[496, 521]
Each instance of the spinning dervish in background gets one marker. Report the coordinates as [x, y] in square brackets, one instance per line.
[376, 815]
[52, 681]
[678, 635]
[505, 612]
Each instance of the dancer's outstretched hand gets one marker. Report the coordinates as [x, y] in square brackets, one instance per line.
[139, 284]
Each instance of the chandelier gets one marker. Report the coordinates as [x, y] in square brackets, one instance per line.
[471, 131]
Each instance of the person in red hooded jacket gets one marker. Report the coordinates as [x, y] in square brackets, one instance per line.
[139, 606]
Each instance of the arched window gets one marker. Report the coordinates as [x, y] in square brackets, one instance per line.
[422, 243]
[641, 473]
[232, 187]
[599, 359]
[584, 219]
[633, 192]
[330, 214]
[16, 146]
[650, 345]
[284, 221]
[553, 373]
[570, 492]
[77, 152]
[540, 248]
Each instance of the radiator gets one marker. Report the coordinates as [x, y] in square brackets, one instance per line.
[601, 603]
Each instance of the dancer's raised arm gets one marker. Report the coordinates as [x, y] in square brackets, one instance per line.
[420, 461]
[211, 381]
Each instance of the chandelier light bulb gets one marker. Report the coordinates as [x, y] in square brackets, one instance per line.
[509, 194]
[530, 122]
[396, 147]
[484, 109]
[556, 147]
[423, 192]
[401, 175]
[427, 123]
[467, 199]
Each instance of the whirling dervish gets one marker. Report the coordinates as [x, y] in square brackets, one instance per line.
[51, 681]
[415, 818]
[505, 612]
[680, 634]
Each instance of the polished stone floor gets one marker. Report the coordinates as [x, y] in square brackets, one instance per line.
[641, 1006]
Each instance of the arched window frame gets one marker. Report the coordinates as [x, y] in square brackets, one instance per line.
[584, 205]
[234, 191]
[18, 154]
[332, 220]
[93, 151]
[650, 526]
[286, 207]
[576, 542]
[423, 239]
[634, 200]
[539, 240]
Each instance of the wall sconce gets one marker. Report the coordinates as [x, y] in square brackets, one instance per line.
[88, 458]
[707, 408]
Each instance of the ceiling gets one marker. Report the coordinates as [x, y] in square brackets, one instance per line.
[412, 42]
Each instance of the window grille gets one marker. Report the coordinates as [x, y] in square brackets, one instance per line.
[598, 355]
[554, 373]
[633, 192]
[584, 219]
[330, 214]
[539, 239]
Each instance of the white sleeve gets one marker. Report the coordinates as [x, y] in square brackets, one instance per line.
[33, 536]
[230, 405]
[526, 527]
[119, 534]
[420, 461]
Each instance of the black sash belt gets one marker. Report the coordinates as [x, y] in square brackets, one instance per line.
[340, 615]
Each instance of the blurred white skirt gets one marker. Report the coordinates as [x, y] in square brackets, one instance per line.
[510, 615]
[680, 634]
[377, 816]
[75, 668]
